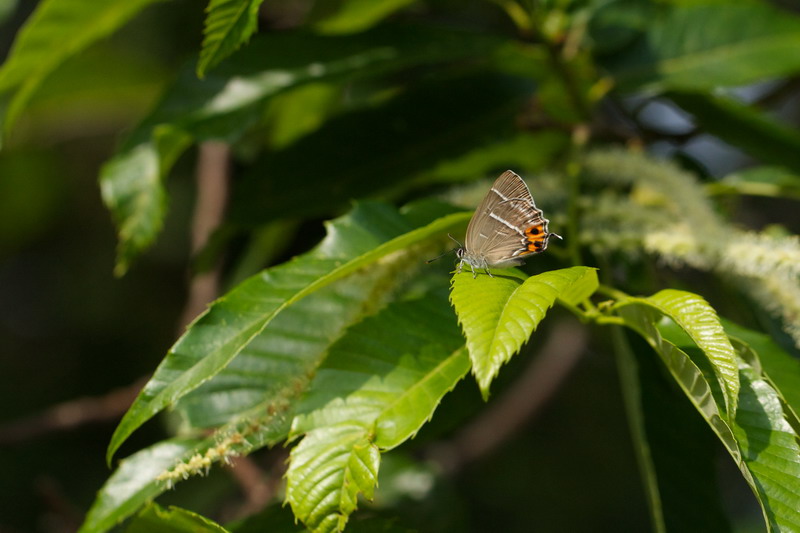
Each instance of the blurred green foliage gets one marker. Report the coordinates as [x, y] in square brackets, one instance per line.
[385, 119]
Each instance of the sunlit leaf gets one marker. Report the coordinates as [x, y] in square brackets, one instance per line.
[760, 439]
[237, 318]
[388, 372]
[377, 386]
[644, 318]
[328, 470]
[699, 320]
[498, 314]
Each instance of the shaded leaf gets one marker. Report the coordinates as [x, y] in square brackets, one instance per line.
[394, 141]
[156, 519]
[761, 441]
[744, 127]
[134, 483]
[498, 314]
[234, 320]
[770, 451]
[56, 31]
[132, 189]
[781, 369]
[630, 379]
[702, 45]
[146, 474]
[230, 100]
[523, 151]
[229, 24]
[358, 15]
[680, 467]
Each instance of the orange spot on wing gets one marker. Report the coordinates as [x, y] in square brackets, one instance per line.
[535, 235]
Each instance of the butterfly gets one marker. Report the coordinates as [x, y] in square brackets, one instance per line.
[505, 229]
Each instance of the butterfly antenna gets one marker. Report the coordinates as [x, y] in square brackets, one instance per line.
[429, 261]
[455, 241]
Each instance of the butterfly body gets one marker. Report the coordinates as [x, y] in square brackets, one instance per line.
[506, 228]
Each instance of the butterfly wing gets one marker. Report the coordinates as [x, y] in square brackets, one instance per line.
[483, 228]
[507, 225]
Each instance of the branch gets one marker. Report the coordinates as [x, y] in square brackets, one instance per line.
[212, 186]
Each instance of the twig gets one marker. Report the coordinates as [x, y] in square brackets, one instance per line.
[212, 197]
[60, 515]
[71, 414]
[212, 185]
[519, 404]
[258, 486]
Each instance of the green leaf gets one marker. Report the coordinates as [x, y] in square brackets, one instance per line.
[134, 483]
[234, 320]
[581, 289]
[776, 182]
[229, 24]
[358, 15]
[7, 8]
[388, 372]
[132, 189]
[643, 317]
[378, 385]
[760, 440]
[781, 369]
[707, 44]
[744, 127]
[523, 151]
[148, 473]
[156, 519]
[231, 99]
[631, 381]
[56, 31]
[498, 314]
[277, 365]
[769, 448]
[679, 467]
[770, 451]
[328, 470]
[700, 322]
[397, 140]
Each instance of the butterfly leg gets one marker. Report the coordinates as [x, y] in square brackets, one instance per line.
[488, 272]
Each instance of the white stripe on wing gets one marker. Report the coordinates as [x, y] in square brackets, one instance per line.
[506, 223]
